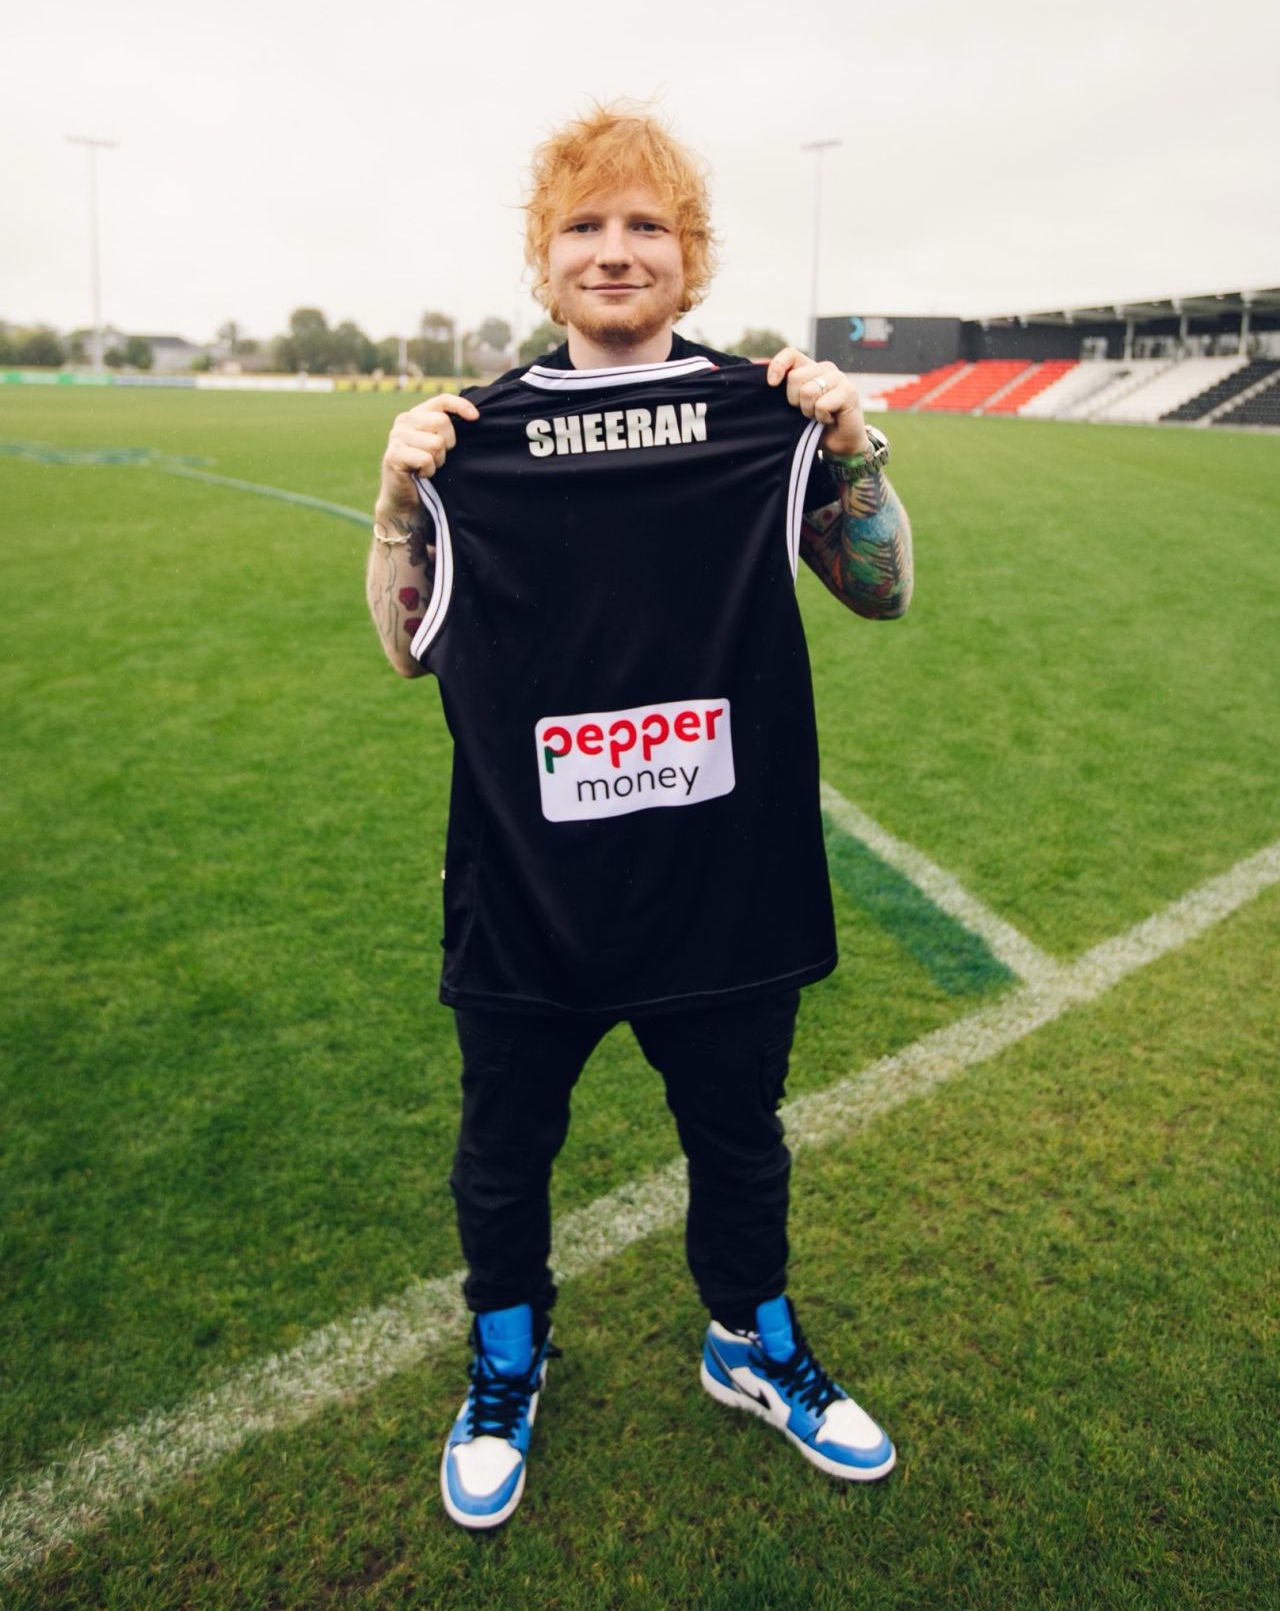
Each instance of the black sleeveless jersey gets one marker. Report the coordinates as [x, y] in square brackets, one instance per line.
[634, 823]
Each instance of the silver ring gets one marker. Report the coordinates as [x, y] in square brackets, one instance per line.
[821, 382]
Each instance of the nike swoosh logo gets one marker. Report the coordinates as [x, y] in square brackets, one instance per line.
[760, 1398]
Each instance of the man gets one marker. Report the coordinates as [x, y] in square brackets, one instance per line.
[597, 553]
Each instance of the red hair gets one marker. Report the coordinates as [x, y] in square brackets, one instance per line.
[613, 148]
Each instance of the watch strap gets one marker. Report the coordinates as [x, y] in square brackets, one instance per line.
[848, 469]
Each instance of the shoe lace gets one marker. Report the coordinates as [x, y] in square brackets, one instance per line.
[802, 1377]
[497, 1403]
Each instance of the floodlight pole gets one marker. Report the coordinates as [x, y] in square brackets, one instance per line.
[94, 145]
[817, 147]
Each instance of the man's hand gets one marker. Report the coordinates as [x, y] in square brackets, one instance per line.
[419, 441]
[822, 393]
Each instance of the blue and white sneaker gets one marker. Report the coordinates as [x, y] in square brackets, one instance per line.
[482, 1473]
[771, 1372]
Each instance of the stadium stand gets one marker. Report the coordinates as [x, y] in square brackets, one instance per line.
[873, 387]
[1133, 390]
[1175, 383]
[1081, 382]
[1037, 379]
[1127, 377]
[932, 381]
[974, 386]
[1241, 378]
[1262, 407]
[1186, 359]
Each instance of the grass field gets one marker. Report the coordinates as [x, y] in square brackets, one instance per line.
[228, 1090]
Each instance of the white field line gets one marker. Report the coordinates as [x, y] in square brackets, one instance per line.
[345, 1358]
[359, 517]
[918, 1068]
[1026, 960]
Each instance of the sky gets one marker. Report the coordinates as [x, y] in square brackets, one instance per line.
[370, 159]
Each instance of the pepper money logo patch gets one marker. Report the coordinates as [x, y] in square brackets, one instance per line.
[605, 763]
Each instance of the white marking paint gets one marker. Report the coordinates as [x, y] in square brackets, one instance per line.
[1013, 948]
[350, 1356]
[918, 1068]
[359, 517]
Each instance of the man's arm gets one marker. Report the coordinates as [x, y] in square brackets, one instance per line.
[397, 585]
[401, 562]
[860, 546]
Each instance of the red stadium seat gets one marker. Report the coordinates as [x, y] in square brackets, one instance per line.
[909, 395]
[1039, 378]
[968, 391]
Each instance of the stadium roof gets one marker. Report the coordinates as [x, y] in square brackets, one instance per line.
[1214, 304]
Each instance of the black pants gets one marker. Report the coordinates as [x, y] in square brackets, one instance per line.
[725, 1070]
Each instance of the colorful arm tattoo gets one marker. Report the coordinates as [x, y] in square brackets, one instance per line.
[861, 549]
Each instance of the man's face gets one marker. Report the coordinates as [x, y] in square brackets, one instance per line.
[616, 269]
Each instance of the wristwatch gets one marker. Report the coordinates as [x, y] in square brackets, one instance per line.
[859, 466]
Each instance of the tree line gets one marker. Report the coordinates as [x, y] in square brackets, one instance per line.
[40, 346]
[437, 348]
[312, 345]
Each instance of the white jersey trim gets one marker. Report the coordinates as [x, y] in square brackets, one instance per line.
[586, 380]
[801, 464]
[442, 586]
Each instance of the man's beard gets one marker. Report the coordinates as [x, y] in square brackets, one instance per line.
[627, 327]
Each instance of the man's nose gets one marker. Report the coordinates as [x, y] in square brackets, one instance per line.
[613, 245]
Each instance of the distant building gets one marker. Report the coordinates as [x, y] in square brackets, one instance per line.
[171, 355]
[1219, 323]
[488, 361]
